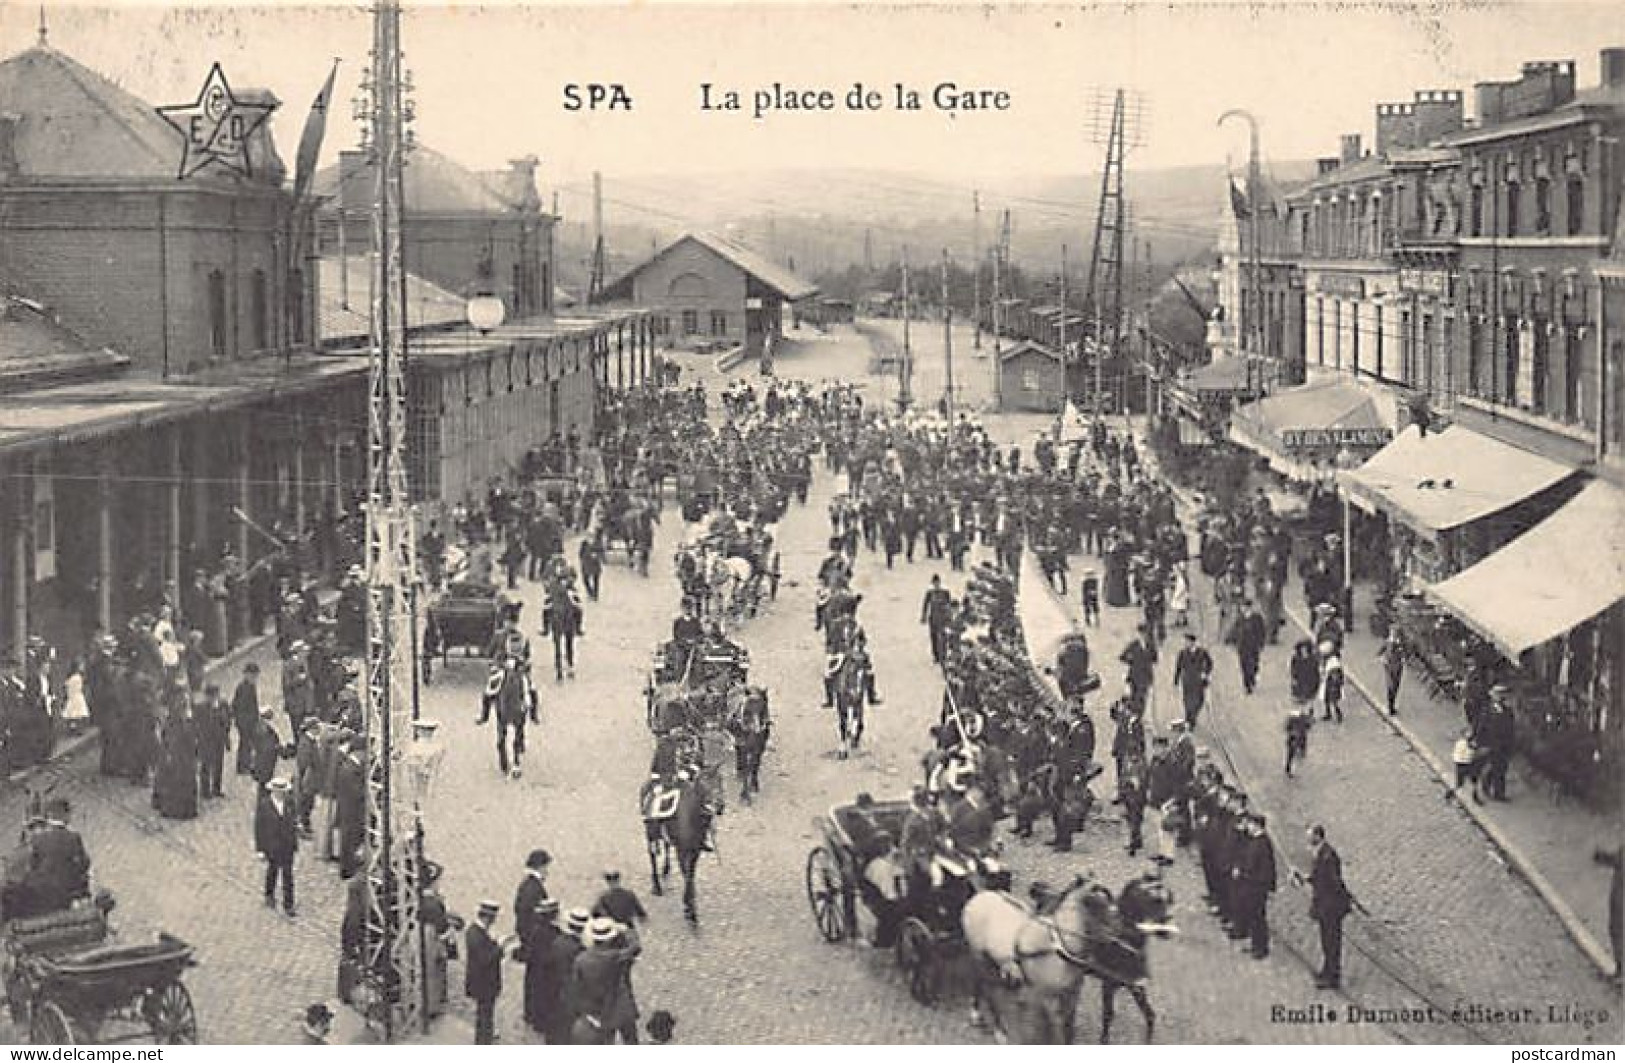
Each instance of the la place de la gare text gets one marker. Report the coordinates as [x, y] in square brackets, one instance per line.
[946, 97]
[1461, 1015]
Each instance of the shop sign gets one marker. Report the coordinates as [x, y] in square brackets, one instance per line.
[1341, 284]
[1424, 281]
[1307, 438]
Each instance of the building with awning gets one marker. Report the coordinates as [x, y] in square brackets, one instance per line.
[1301, 431]
[1563, 572]
[1444, 488]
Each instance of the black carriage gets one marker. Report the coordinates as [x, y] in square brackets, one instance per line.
[67, 986]
[675, 668]
[921, 926]
[468, 615]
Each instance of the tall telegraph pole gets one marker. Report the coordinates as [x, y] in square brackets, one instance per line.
[947, 346]
[905, 393]
[976, 270]
[393, 957]
[595, 281]
[1105, 285]
[999, 251]
[1253, 321]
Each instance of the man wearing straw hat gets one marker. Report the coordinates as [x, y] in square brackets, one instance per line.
[605, 1007]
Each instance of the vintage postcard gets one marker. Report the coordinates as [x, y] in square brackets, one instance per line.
[813, 523]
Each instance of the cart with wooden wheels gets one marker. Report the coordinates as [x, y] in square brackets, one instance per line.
[66, 986]
[922, 931]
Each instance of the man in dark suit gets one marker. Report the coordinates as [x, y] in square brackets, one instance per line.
[483, 978]
[1192, 669]
[276, 836]
[1329, 904]
[58, 869]
[213, 718]
[934, 613]
[1257, 882]
[531, 893]
[970, 822]
[245, 712]
[267, 749]
[350, 804]
[1250, 638]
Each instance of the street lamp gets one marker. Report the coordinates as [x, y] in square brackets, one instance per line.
[485, 312]
[422, 759]
[1346, 459]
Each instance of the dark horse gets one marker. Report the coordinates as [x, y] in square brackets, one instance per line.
[508, 693]
[676, 815]
[749, 724]
[846, 682]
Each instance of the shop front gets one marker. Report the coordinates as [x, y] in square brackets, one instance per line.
[1548, 605]
[1453, 497]
[1305, 433]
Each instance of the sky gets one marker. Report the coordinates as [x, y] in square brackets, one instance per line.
[489, 81]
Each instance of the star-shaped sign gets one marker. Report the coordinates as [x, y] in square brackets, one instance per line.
[216, 127]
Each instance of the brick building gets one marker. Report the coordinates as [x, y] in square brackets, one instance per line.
[174, 382]
[177, 274]
[463, 231]
[704, 288]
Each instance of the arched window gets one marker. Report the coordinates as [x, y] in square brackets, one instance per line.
[688, 286]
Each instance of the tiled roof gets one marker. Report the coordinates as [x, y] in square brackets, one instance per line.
[773, 276]
[349, 318]
[75, 123]
[1028, 347]
[33, 347]
[434, 183]
[765, 272]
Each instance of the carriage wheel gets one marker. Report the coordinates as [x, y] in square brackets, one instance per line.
[51, 1025]
[824, 894]
[916, 956]
[170, 1013]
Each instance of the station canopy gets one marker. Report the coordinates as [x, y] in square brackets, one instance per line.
[1561, 573]
[1443, 480]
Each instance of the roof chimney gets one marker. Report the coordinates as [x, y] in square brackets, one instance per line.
[1326, 165]
[522, 182]
[1613, 67]
[1350, 152]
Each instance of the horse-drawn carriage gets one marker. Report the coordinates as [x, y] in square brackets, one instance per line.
[626, 519]
[65, 985]
[693, 707]
[859, 861]
[467, 616]
[964, 919]
[728, 568]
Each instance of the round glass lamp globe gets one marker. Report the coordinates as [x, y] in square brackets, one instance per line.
[486, 312]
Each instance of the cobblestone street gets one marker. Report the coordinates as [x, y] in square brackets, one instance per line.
[756, 969]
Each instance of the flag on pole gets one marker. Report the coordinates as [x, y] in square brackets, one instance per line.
[310, 141]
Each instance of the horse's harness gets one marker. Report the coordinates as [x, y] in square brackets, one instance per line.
[1059, 944]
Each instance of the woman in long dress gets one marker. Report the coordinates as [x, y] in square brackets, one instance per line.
[176, 780]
